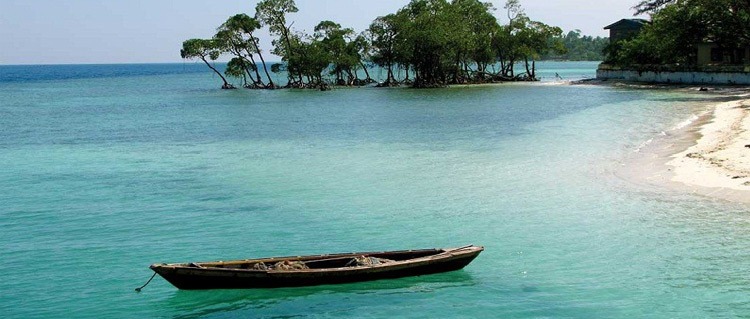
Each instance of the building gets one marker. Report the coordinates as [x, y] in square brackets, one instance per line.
[711, 54]
[711, 64]
[625, 29]
[706, 54]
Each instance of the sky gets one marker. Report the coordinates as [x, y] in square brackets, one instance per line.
[152, 31]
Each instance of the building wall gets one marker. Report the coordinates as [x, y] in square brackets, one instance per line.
[742, 78]
[623, 33]
[705, 55]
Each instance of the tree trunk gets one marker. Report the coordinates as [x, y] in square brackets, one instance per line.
[368, 79]
[457, 69]
[258, 81]
[351, 77]
[529, 73]
[245, 75]
[502, 66]
[226, 85]
[391, 78]
[285, 34]
[265, 68]
[356, 80]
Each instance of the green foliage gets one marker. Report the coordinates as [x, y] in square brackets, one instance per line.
[458, 41]
[236, 67]
[201, 49]
[580, 48]
[650, 5]
[272, 13]
[536, 38]
[237, 37]
[314, 60]
[342, 51]
[523, 39]
[427, 40]
[383, 34]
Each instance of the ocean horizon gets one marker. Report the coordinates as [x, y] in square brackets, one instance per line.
[109, 168]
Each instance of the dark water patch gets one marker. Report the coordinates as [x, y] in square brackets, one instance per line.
[33, 73]
[256, 209]
[380, 116]
[697, 98]
[217, 198]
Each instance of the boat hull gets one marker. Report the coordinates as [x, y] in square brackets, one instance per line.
[199, 278]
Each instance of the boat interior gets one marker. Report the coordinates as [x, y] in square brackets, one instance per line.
[319, 262]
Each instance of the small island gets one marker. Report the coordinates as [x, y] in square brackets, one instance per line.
[425, 44]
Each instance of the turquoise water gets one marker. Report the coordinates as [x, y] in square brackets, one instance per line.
[108, 169]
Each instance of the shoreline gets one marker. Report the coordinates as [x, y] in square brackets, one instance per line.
[709, 156]
[719, 160]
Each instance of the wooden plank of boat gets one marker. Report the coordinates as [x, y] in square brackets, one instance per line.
[297, 271]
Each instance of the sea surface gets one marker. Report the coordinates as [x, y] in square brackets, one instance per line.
[106, 169]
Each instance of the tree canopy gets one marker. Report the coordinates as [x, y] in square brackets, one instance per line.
[205, 50]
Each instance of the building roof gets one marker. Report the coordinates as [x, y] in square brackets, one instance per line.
[627, 23]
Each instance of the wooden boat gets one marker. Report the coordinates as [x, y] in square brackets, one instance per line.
[315, 270]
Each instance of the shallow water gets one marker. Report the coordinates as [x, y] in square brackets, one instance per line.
[112, 168]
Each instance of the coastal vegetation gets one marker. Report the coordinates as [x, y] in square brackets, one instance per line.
[678, 27]
[427, 43]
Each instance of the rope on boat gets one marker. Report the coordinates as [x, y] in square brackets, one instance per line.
[146, 284]
[456, 249]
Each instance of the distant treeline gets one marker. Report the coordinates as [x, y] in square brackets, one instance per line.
[427, 43]
[580, 48]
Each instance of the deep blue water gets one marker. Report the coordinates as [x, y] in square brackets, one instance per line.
[107, 169]
[32, 73]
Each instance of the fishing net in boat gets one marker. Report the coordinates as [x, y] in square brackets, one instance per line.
[289, 265]
[260, 266]
[368, 261]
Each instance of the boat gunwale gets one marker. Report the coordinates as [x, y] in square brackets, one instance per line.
[442, 254]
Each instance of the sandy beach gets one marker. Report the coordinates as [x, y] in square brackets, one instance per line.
[720, 158]
[708, 156]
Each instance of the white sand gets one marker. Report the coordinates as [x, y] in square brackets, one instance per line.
[720, 159]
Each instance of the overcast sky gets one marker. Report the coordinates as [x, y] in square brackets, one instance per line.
[148, 31]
